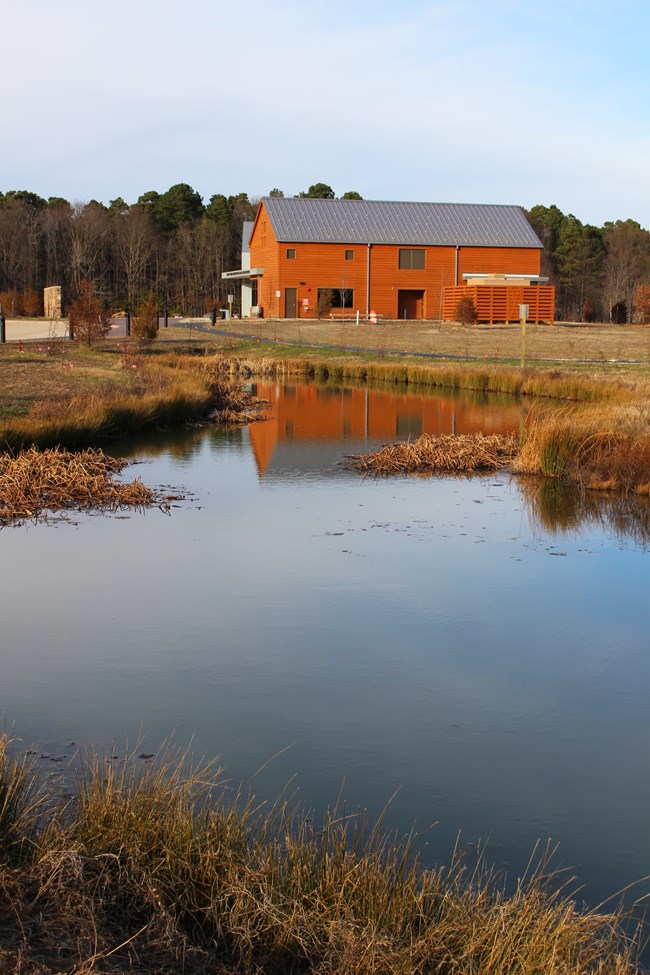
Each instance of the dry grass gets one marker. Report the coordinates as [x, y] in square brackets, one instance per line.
[150, 870]
[595, 448]
[559, 384]
[34, 481]
[466, 454]
[602, 344]
[107, 394]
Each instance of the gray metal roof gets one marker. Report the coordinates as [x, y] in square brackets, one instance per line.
[421, 224]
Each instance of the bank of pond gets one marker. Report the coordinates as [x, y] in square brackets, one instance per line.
[475, 645]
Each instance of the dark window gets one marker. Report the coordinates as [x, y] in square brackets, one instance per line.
[349, 255]
[254, 291]
[291, 253]
[336, 297]
[411, 258]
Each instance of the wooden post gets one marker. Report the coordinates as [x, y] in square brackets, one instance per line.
[523, 315]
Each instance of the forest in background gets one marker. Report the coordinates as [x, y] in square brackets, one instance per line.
[175, 247]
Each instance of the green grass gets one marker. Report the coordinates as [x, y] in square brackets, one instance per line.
[158, 868]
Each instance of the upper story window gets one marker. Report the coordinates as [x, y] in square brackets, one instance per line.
[411, 257]
[349, 255]
[291, 253]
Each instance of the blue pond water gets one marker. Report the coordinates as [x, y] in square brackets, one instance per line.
[474, 651]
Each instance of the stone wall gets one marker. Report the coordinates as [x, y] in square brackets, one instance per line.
[52, 301]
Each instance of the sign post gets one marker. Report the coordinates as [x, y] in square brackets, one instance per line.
[524, 311]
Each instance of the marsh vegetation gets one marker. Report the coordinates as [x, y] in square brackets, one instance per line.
[158, 867]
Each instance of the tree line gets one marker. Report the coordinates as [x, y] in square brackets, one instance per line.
[600, 273]
[175, 247]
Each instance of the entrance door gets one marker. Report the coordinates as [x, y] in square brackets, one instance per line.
[410, 304]
[290, 302]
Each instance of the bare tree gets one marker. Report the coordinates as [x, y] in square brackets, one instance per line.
[134, 239]
[626, 264]
[88, 242]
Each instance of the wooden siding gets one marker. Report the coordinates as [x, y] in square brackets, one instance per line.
[264, 253]
[323, 265]
[497, 260]
[500, 303]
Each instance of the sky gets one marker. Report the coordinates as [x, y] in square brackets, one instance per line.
[455, 101]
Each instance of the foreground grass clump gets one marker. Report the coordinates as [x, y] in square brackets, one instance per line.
[597, 449]
[463, 454]
[35, 480]
[147, 869]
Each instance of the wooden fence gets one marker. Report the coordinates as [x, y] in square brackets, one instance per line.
[500, 303]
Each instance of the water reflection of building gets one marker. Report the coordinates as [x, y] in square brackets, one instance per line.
[337, 413]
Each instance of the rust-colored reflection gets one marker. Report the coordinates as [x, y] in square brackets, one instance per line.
[312, 412]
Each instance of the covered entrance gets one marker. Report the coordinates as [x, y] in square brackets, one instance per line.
[410, 304]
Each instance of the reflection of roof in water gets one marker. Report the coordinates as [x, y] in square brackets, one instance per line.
[315, 458]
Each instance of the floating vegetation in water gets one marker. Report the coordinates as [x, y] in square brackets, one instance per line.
[467, 454]
[34, 481]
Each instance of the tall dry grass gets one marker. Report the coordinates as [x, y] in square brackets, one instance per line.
[169, 391]
[553, 384]
[160, 869]
[597, 448]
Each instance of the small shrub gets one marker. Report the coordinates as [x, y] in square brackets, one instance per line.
[465, 311]
[89, 320]
[145, 322]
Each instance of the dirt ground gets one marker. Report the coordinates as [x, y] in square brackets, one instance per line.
[562, 342]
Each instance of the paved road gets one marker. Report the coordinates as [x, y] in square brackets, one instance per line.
[29, 329]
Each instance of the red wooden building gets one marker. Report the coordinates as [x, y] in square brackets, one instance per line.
[338, 258]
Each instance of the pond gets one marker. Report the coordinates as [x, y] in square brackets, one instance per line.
[471, 652]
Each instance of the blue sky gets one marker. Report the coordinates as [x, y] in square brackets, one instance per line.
[463, 101]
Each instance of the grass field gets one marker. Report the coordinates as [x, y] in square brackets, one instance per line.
[568, 343]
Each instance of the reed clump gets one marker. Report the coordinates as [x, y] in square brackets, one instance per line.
[37, 480]
[153, 869]
[595, 448]
[464, 454]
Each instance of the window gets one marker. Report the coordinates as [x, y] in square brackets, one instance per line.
[336, 297]
[411, 258]
[291, 253]
[349, 255]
